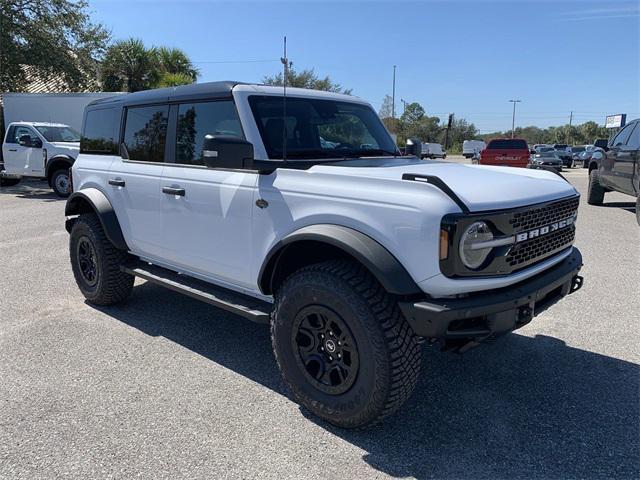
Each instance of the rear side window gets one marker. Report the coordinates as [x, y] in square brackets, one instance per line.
[507, 144]
[100, 131]
[622, 137]
[195, 120]
[145, 132]
[634, 139]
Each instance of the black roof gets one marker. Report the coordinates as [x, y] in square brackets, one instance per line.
[183, 92]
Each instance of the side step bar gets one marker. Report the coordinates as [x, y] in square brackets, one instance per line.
[251, 308]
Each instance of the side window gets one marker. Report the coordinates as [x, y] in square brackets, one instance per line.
[20, 131]
[145, 132]
[634, 139]
[100, 131]
[195, 120]
[622, 136]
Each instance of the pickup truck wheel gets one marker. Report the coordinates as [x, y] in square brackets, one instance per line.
[96, 263]
[61, 182]
[595, 194]
[342, 344]
[9, 182]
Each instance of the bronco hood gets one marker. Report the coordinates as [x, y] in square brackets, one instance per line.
[479, 187]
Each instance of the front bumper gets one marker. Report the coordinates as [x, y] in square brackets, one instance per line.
[482, 315]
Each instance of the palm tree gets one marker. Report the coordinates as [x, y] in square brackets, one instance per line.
[129, 66]
[175, 61]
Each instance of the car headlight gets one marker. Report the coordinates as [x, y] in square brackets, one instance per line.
[472, 252]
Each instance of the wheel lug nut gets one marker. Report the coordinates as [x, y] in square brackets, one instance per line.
[330, 358]
[322, 349]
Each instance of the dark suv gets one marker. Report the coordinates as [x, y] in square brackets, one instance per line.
[616, 167]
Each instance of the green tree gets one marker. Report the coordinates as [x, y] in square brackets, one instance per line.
[412, 113]
[45, 39]
[174, 61]
[306, 79]
[129, 66]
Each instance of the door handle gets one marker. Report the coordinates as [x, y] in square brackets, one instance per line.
[13, 149]
[116, 182]
[173, 191]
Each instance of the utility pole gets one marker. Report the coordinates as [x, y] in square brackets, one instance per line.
[513, 119]
[569, 131]
[393, 97]
[404, 105]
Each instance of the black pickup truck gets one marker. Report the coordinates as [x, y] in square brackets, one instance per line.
[617, 167]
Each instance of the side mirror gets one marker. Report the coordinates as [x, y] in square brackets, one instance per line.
[533, 150]
[224, 151]
[414, 147]
[25, 140]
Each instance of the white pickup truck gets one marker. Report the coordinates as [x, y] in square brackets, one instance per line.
[39, 150]
[299, 212]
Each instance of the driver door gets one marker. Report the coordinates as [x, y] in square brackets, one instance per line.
[23, 160]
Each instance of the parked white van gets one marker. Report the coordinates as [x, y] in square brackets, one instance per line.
[471, 147]
[433, 150]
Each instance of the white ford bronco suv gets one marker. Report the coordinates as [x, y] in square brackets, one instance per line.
[39, 150]
[297, 210]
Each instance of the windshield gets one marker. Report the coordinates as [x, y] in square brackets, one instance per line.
[58, 134]
[320, 128]
[577, 149]
[547, 153]
[545, 149]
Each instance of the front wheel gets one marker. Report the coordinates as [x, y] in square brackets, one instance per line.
[96, 262]
[595, 193]
[61, 182]
[343, 346]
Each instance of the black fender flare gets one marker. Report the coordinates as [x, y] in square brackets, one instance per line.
[92, 200]
[57, 159]
[376, 258]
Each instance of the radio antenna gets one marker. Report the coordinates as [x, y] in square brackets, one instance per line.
[285, 63]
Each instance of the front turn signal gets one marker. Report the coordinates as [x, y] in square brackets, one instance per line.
[444, 244]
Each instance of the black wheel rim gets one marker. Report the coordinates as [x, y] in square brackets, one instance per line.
[62, 182]
[325, 349]
[87, 263]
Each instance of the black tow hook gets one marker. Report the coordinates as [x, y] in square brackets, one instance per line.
[576, 285]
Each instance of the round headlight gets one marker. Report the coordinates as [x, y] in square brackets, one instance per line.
[471, 253]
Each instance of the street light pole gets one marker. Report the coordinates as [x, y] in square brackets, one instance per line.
[393, 97]
[513, 119]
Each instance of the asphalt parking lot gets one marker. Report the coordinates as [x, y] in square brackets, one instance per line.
[167, 387]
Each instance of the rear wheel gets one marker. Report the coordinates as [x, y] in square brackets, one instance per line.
[9, 182]
[96, 263]
[595, 194]
[344, 348]
[61, 182]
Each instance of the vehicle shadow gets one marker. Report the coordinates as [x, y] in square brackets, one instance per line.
[628, 206]
[518, 408]
[35, 190]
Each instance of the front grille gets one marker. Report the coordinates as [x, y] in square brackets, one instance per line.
[545, 215]
[538, 247]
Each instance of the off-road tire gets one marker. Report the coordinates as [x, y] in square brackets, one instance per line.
[9, 182]
[389, 352]
[595, 194]
[112, 285]
[55, 182]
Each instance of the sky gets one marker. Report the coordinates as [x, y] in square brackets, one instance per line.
[467, 58]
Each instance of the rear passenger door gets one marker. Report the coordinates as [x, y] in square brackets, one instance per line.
[134, 181]
[206, 212]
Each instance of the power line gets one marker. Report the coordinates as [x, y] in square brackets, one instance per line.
[237, 61]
